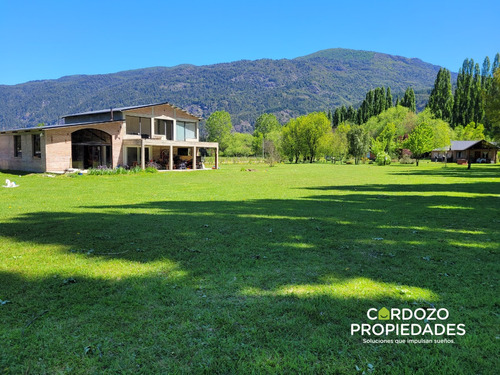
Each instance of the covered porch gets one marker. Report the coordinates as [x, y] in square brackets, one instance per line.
[169, 155]
[463, 152]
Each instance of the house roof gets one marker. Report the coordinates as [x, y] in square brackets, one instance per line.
[464, 145]
[121, 109]
[46, 127]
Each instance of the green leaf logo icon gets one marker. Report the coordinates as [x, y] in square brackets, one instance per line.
[384, 314]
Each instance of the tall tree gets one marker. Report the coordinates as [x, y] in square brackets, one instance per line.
[467, 94]
[386, 140]
[339, 141]
[358, 141]
[351, 114]
[291, 140]
[219, 128]
[485, 73]
[409, 100]
[496, 64]
[313, 127]
[420, 141]
[379, 101]
[338, 116]
[388, 98]
[239, 144]
[266, 123]
[441, 98]
[330, 116]
[493, 105]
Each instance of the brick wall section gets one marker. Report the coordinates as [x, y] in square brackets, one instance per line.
[58, 144]
[26, 162]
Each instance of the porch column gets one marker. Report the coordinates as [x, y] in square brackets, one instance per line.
[217, 157]
[143, 155]
[171, 158]
[194, 157]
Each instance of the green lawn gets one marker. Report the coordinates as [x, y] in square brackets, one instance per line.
[233, 271]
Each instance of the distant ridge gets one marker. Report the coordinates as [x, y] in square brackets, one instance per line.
[319, 81]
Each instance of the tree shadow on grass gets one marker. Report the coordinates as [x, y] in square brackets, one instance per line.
[477, 171]
[486, 188]
[204, 285]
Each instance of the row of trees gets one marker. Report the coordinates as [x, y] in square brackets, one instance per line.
[474, 90]
[308, 137]
[375, 102]
[377, 126]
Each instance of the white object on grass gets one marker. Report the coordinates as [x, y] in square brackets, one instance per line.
[10, 184]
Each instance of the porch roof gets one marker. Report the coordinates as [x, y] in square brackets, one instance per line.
[465, 145]
[161, 142]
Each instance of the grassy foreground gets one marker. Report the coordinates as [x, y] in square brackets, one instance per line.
[235, 271]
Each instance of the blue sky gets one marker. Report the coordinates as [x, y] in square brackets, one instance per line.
[50, 39]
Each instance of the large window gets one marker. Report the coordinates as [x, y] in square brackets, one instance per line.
[139, 125]
[164, 127]
[133, 155]
[37, 150]
[185, 131]
[18, 152]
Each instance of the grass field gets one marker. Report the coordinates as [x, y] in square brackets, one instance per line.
[232, 271]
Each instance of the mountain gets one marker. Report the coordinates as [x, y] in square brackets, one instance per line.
[246, 89]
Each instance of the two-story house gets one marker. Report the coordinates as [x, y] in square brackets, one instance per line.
[128, 136]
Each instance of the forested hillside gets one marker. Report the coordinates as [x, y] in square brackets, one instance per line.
[245, 89]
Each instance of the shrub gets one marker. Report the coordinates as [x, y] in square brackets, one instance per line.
[100, 170]
[383, 158]
[406, 160]
[121, 170]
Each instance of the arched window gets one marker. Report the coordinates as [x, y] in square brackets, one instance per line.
[92, 137]
[90, 148]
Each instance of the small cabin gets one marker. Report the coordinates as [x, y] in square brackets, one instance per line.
[462, 151]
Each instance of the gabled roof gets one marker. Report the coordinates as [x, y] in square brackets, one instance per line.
[462, 145]
[465, 145]
[121, 109]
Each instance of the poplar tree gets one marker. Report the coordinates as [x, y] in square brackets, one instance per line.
[493, 105]
[338, 116]
[441, 98]
[485, 73]
[351, 114]
[468, 103]
[379, 101]
[496, 64]
[388, 98]
[409, 100]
